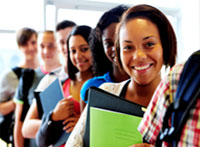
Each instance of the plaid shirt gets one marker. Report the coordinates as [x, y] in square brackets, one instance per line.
[151, 123]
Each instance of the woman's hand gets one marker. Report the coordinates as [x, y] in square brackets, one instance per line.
[63, 110]
[70, 123]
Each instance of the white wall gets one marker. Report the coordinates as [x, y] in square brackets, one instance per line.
[190, 29]
[185, 13]
[185, 16]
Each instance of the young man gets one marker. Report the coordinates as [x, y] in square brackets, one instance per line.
[29, 80]
[62, 32]
[31, 124]
[27, 44]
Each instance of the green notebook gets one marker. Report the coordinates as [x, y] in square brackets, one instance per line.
[113, 129]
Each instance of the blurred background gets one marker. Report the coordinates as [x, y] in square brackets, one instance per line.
[45, 14]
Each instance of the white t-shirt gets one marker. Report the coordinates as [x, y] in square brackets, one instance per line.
[8, 85]
[49, 78]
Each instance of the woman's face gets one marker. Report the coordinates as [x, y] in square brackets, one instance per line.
[80, 54]
[30, 49]
[108, 39]
[141, 50]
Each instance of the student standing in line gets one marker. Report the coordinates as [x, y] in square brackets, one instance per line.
[145, 42]
[29, 80]
[79, 69]
[27, 43]
[102, 40]
[63, 30]
[166, 94]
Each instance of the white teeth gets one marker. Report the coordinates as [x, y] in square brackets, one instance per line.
[142, 67]
[80, 62]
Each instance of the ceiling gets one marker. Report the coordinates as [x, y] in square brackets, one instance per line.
[169, 6]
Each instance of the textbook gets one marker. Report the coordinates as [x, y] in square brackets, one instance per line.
[51, 96]
[49, 99]
[110, 128]
[99, 98]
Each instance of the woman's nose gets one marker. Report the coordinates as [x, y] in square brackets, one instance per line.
[139, 54]
[78, 54]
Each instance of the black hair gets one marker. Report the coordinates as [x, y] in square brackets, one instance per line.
[64, 24]
[84, 31]
[101, 64]
[167, 34]
[111, 16]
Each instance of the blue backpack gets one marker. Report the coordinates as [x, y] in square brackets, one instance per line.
[188, 91]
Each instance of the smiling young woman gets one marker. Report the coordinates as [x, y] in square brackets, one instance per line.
[145, 41]
[67, 111]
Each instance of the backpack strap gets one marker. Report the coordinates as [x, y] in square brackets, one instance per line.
[188, 91]
[17, 71]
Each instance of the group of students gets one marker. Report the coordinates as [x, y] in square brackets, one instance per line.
[122, 55]
[18, 85]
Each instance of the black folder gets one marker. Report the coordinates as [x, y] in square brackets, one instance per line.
[104, 100]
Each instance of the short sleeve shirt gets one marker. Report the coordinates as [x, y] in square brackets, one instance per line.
[37, 77]
[8, 84]
[95, 82]
[151, 123]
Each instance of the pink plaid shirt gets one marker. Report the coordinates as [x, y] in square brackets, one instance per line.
[152, 121]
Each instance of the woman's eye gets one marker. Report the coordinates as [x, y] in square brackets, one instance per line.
[109, 44]
[127, 47]
[72, 51]
[150, 44]
[84, 49]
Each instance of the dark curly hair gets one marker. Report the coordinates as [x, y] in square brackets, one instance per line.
[167, 34]
[84, 31]
[101, 64]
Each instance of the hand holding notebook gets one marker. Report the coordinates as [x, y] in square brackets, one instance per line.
[64, 109]
[51, 96]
